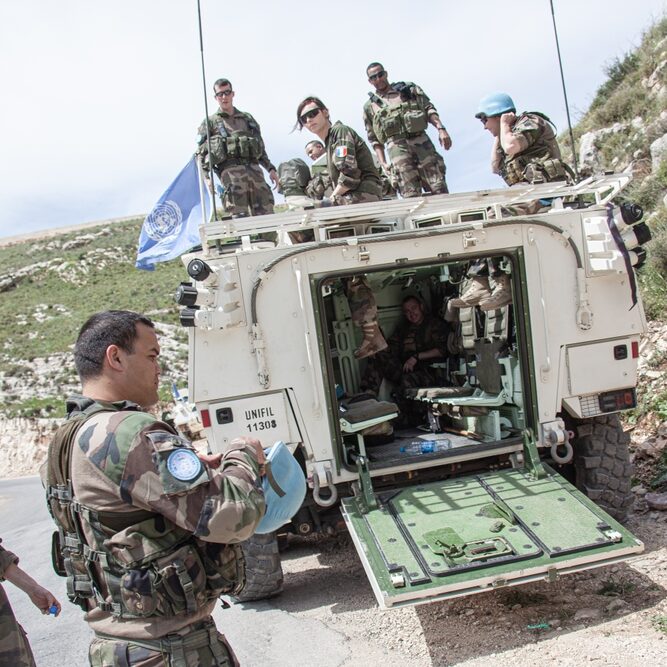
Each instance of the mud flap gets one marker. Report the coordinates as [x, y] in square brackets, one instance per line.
[467, 535]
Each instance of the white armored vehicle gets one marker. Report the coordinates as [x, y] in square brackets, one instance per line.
[520, 471]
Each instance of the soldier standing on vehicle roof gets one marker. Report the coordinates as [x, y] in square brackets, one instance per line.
[237, 152]
[147, 526]
[525, 149]
[397, 115]
[14, 647]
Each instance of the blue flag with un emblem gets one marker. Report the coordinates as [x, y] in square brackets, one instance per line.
[172, 227]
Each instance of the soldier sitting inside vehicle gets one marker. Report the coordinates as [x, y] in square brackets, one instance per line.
[418, 342]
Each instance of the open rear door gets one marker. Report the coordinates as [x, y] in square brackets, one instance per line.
[467, 535]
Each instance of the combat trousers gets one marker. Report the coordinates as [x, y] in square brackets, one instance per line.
[418, 166]
[204, 646]
[246, 191]
[14, 647]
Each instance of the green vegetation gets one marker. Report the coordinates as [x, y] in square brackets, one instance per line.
[54, 284]
[660, 624]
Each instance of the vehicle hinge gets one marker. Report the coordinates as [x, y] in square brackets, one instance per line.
[531, 456]
[552, 575]
[367, 497]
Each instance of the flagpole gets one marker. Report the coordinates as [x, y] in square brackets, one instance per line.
[567, 106]
[208, 129]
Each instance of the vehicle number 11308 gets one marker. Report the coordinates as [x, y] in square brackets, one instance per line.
[263, 425]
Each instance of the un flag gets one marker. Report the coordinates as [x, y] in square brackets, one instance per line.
[172, 227]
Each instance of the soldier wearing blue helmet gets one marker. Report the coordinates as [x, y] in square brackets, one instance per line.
[525, 149]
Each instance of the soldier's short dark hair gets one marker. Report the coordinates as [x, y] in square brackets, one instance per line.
[110, 327]
[222, 82]
[308, 100]
[314, 141]
[372, 65]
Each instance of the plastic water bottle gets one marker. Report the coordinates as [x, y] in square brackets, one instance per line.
[427, 446]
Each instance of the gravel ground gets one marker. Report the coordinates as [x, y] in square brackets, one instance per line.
[606, 616]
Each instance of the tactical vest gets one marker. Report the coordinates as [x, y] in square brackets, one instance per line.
[235, 147]
[139, 564]
[540, 162]
[400, 121]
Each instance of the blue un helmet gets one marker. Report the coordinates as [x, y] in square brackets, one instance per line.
[284, 486]
[495, 104]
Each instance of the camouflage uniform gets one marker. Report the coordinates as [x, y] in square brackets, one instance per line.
[406, 341]
[401, 124]
[351, 166]
[158, 539]
[320, 185]
[238, 151]
[540, 161]
[14, 647]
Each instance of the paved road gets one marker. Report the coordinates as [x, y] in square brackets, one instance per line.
[261, 634]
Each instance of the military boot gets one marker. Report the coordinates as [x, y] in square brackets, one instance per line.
[501, 293]
[477, 289]
[373, 341]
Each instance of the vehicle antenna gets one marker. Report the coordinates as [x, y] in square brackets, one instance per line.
[208, 129]
[567, 106]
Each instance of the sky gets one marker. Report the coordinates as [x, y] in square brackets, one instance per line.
[101, 101]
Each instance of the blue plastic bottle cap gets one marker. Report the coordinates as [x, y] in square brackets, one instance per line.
[53, 609]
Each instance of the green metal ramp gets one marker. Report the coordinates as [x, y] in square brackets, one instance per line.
[467, 535]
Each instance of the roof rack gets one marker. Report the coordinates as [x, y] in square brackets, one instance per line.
[410, 214]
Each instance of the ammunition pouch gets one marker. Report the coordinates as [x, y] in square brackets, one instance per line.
[218, 149]
[404, 120]
[415, 121]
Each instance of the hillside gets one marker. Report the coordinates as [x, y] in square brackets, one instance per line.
[49, 287]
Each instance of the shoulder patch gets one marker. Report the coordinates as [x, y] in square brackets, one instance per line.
[183, 464]
[341, 151]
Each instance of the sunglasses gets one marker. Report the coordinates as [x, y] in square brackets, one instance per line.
[484, 119]
[309, 115]
[377, 75]
[224, 93]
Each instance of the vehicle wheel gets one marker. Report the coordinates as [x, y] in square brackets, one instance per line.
[602, 468]
[263, 571]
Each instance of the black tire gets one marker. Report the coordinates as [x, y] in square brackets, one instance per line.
[602, 468]
[263, 570]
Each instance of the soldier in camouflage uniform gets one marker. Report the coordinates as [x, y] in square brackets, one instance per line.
[397, 115]
[14, 647]
[354, 176]
[415, 344]
[148, 527]
[525, 149]
[237, 153]
[320, 185]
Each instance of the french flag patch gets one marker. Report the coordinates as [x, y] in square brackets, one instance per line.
[341, 151]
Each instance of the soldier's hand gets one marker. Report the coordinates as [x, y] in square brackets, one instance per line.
[256, 445]
[410, 363]
[508, 118]
[43, 599]
[211, 460]
[274, 178]
[444, 138]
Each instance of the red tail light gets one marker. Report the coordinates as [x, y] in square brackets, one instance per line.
[635, 349]
[205, 418]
